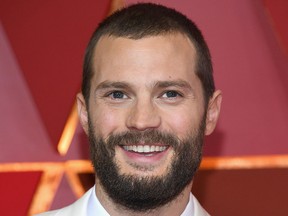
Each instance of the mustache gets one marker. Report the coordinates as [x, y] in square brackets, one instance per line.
[144, 137]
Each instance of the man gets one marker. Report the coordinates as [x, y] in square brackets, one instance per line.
[148, 98]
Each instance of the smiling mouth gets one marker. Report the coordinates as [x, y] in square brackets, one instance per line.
[145, 149]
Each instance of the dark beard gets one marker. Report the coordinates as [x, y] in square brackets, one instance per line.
[141, 194]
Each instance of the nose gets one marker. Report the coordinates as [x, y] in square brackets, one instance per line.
[142, 116]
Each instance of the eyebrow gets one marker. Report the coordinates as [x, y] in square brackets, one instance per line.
[158, 84]
[176, 83]
[110, 84]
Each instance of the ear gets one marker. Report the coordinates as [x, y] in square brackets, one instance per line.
[213, 112]
[82, 112]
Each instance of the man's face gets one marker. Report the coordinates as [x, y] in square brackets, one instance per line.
[145, 84]
[143, 91]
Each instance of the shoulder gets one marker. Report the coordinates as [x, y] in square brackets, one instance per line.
[77, 208]
[50, 213]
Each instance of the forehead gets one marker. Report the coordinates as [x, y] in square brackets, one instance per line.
[170, 54]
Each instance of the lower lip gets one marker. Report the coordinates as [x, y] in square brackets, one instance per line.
[145, 157]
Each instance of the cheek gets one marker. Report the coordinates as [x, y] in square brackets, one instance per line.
[182, 122]
[106, 122]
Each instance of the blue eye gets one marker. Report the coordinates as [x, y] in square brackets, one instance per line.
[117, 95]
[170, 94]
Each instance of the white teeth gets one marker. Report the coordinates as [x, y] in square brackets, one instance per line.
[140, 148]
[145, 148]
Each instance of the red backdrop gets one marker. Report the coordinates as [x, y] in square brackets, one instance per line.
[41, 51]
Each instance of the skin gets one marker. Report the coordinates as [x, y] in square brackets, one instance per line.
[144, 84]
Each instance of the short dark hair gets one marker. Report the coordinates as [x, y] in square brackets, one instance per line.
[147, 19]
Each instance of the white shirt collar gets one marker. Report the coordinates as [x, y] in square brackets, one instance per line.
[95, 208]
[189, 210]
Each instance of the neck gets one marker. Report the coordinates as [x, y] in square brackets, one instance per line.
[175, 207]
